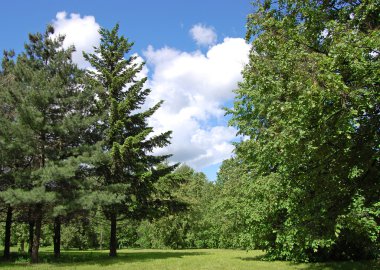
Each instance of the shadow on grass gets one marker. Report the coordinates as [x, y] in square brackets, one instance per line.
[78, 258]
[359, 265]
[253, 258]
[338, 265]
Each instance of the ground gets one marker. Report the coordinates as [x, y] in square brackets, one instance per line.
[146, 259]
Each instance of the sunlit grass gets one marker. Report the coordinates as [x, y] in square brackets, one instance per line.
[138, 259]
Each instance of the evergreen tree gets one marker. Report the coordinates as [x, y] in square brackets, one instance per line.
[6, 118]
[127, 168]
[14, 148]
[51, 108]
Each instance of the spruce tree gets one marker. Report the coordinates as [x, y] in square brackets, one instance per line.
[126, 166]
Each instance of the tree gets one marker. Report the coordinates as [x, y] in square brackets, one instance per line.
[12, 148]
[5, 122]
[309, 103]
[125, 165]
[184, 227]
[50, 106]
[232, 206]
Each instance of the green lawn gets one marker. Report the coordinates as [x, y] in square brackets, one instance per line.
[140, 259]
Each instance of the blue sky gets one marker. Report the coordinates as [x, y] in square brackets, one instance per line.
[194, 52]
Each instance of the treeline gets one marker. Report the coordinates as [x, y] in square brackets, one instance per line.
[212, 220]
[75, 142]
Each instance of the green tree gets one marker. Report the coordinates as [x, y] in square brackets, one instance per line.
[189, 228]
[50, 104]
[6, 118]
[194, 224]
[186, 228]
[126, 167]
[309, 104]
[13, 149]
[232, 206]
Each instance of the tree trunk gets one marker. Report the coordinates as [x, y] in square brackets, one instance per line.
[101, 239]
[57, 237]
[31, 233]
[113, 239]
[7, 240]
[36, 238]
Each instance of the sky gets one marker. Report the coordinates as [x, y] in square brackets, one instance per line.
[194, 52]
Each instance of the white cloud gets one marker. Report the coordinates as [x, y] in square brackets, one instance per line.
[194, 87]
[82, 32]
[144, 72]
[203, 35]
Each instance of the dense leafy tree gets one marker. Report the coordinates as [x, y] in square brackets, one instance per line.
[309, 103]
[125, 164]
[181, 229]
[232, 206]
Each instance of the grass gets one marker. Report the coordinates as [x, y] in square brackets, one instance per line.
[146, 259]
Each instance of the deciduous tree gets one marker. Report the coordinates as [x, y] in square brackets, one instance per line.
[309, 104]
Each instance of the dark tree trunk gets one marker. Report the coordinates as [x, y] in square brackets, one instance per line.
[113, 239]
[36, 238]
[31, 233]
[7, 240]
[57, 237]
[101, 239]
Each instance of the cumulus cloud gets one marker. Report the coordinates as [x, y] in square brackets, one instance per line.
[82, 32]
[194, 87]
[203, 35]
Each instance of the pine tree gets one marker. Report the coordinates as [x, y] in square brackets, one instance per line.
[14, 148]
[6, 116]
[126, 165]
[52, 110]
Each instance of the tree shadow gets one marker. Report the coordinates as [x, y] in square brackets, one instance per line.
[77, 258]
[253, 258]
[337, 265]
[346, 265]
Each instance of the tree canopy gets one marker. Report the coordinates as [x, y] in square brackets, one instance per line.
[309, 104]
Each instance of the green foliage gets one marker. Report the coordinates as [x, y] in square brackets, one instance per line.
[230, 207]
[71, 143]
[125, 164]
[127, 169]
[76, 146]
[128, 234]
[45, 143]
[48, 116]
[309, 104]
[79, 234]
[148, 236]
[181, 229]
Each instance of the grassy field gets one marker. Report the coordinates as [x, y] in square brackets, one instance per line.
[140, 259]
